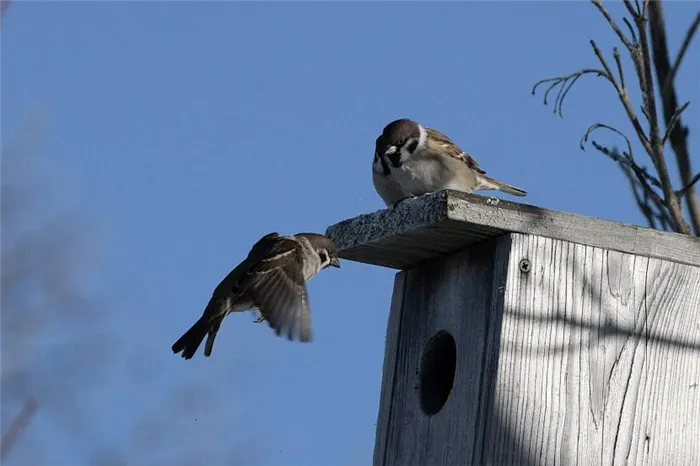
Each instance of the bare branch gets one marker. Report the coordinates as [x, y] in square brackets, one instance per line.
[648, 201]
[624, 98]
[645, 8]
[689, 186]
[19, 423]
[613, 24]
[603, 62]
[645, 178]
[678, 137]
[618, 62]
[631, 9]
[674, 120]
[566, 82]
[664, 209]
[640, 195]
[642, 199]
[597, 126]
[681, 53]
[632, 33]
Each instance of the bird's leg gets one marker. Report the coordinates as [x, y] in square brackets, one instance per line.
[260, 319]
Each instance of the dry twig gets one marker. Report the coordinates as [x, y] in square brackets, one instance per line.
[565, 83]
[663, 207]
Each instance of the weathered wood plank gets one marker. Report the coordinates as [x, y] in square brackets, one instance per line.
[445, 222]
[600, 352]
[454, 295]
[588, 357]
[389, 367]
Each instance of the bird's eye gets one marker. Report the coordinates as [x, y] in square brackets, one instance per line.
[412, 146]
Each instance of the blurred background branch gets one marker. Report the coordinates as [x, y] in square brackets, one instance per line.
[19, 423]
[49, 327]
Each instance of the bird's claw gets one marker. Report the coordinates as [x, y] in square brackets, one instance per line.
[260, 319]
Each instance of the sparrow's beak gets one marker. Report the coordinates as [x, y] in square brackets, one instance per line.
[390, 150]
[335, 262]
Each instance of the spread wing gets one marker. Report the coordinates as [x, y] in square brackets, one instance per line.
[450, 148]
[230, 288]
[275, 282]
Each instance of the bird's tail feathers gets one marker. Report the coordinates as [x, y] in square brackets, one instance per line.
[189, 342]
[486, 182]
[211, 335]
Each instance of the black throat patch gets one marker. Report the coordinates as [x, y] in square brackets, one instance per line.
[395, 159]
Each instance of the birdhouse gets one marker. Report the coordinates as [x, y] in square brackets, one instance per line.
[522, 336]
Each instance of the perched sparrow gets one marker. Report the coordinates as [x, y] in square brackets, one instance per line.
[272, 279]
[411, 160]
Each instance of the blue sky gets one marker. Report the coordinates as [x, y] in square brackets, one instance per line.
[178, 133]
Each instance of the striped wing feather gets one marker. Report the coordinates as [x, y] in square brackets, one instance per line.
[452, 149]
[276, 284]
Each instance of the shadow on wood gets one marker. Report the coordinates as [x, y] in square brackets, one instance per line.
[566, 352]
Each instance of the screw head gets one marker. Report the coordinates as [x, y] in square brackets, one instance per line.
[524, 265]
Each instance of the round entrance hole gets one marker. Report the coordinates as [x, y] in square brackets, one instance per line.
[437, 372]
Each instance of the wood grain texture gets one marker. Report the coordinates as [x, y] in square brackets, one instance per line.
[600, 352]
[453, 295]
[441, 223]
[389, 367]
[592, 357]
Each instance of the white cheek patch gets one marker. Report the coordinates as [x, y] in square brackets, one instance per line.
[405, 154]
[421, 143]
[423, 138]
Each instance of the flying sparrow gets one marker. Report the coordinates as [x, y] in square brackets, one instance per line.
[412, 160]
[272, 280]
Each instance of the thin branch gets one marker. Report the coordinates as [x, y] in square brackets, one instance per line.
[682, 192]
[674, 120]
[618, 62]
[644, 195]
[624, 98]
[597, 126]
[566, 82]
[603, 62]
[642, 199]
[632, 33]
[613, 24]
[17, 426]
[681, 53]
[645, 8]
[640, 195]
[631, 8]
[645, 178]
[647, 85]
